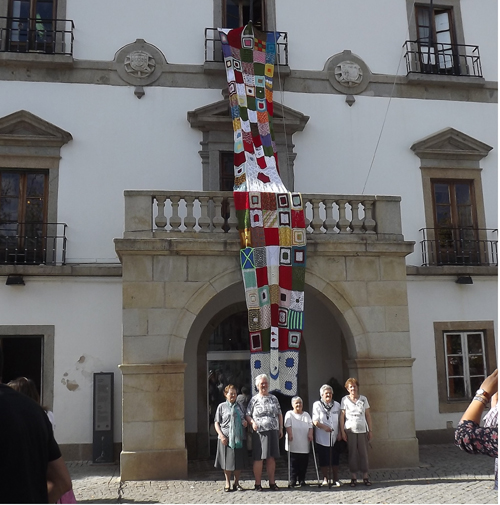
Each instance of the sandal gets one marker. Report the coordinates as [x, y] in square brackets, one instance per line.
[258, 487]
[227, 489]
[353, 483]
[237, 487]
[274, 487]
[367, 482]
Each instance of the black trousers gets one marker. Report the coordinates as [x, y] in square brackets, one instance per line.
[298, 466]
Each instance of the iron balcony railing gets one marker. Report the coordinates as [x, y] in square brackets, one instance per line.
[459, 246]
[33, 243]
[439, 58]
[213, 49]
[25, 35]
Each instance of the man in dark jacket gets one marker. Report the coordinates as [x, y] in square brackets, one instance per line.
[32, 469]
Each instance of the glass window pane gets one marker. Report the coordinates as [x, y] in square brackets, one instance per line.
[465, 216]
[442, 193]
[442, 21]
[453, 343]
[456, 388]
[10, 184]
[9, 209]
[455, 366]
[34, 210]
[35, 185]
[443, 215]
[44, 9]
[475, 383]
[475, 343]
[476, 364]
[462, 193]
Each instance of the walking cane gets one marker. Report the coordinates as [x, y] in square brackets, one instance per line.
[289, 449]
[315, 463]
[330, 463]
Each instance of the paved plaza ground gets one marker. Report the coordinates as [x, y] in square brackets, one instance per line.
[445, 475]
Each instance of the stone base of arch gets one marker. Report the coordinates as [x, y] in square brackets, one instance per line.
[388, 385]
[153, 422]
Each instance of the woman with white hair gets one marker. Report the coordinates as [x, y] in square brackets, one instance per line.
[264, 415]
[299, 431]
[326, 415]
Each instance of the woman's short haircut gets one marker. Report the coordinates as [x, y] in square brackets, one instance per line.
[351, 380]
[259, 378]
[325, 387]
[228, 387]
[295, 398]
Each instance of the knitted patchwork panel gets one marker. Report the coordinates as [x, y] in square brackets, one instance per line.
[271, 221]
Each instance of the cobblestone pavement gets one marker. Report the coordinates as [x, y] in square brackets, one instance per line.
[445, 475]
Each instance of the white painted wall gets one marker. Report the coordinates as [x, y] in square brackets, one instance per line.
[86, 314]
[374, 31]
[102, 28]
[441, 299]
[481, 29]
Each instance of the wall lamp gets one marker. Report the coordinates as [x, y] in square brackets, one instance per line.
[14, 280]
[464, 279]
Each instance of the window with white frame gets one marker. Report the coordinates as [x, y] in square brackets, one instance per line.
[465, 363]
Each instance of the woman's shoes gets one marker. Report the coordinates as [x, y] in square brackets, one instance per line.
[274, 487]
[354, 483]
[237, 487]
[324, 483]
[227, 489]
[258, 487]
[367, 482]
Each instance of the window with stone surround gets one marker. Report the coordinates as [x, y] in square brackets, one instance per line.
[30, 152]
[455, 229]
[465, 355]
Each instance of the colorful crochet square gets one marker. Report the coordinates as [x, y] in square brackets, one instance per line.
[271, 221]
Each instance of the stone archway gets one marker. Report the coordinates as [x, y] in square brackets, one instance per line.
[164, 292]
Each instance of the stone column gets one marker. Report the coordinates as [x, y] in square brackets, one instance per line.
[388, 385]
[153, 422]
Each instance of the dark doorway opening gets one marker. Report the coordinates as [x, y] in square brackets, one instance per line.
[23, 358]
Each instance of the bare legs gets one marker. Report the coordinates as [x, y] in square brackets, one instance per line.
[270, 468]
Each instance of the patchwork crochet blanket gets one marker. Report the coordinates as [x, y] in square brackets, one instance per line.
[271, 220]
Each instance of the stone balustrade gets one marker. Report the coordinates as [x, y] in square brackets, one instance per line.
[152, 213]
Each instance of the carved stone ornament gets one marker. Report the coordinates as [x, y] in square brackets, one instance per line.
[348, 74]
[139, 64]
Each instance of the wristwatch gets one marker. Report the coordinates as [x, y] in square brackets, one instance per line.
[482, 392]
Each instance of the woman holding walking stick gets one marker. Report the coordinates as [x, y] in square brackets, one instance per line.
[326, 414]
[231, 447]
[299, 434]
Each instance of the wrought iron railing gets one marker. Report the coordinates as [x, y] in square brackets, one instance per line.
[24, 35]
[33, 243]
[213, 49]
[459, 246]
[440, 58]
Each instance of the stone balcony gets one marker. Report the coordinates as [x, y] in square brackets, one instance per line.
[360, 220]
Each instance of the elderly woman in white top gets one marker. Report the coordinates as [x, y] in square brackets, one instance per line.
[264, 415]
[231, 446]
[326, 415]
[299, 431]
[356, 429]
